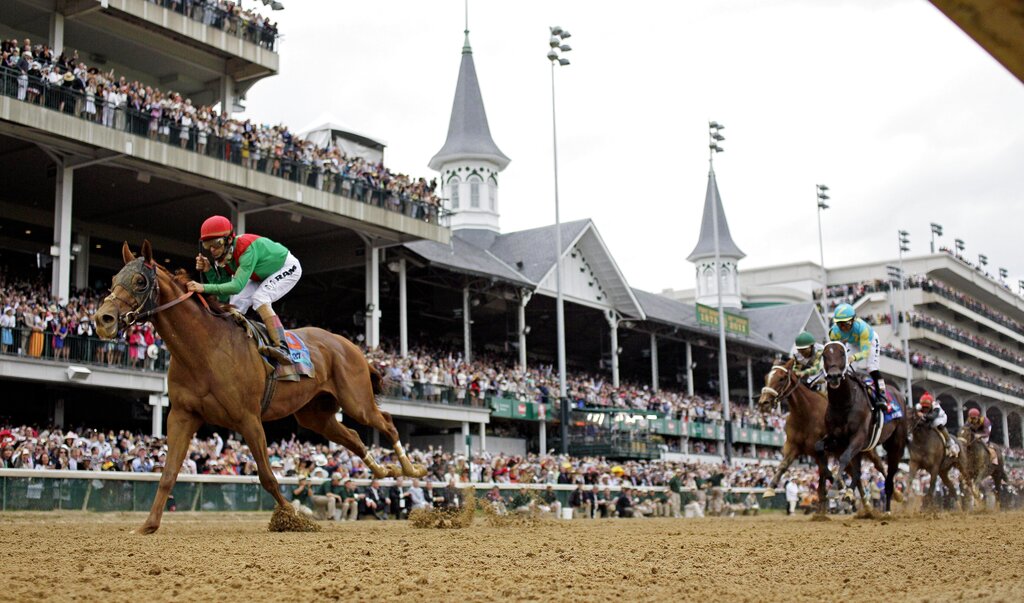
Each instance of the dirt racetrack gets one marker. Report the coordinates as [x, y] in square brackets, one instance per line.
[226, 557]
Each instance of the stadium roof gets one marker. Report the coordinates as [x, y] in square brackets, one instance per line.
[782, 323]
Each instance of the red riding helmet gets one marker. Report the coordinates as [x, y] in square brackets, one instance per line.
[974, 413]
[927, 400]
[216, 226]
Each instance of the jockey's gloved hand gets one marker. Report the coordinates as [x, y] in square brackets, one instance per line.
[202, 264]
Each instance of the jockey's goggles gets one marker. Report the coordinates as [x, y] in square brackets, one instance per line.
[214, 243]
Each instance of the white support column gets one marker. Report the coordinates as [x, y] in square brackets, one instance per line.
[753, 450]
[466, 441]
[61, 275]
[239, 219]
[372, 297]
[542, 436]
[56, 38]
[483, 437]
[58, 412]
[403, 317]
[82, 261]
[750, 382]
[689, 369]
[1006, 427]
[525, 299]
[654, 363]
[158, 402]
[613, 324]
[467, 327]
[960, 420]
[227, 95]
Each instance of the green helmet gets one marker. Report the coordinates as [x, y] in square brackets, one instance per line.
[843, 313]
[804, 340]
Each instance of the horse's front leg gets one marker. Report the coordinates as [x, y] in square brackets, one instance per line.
[181, 426]
[787, 460]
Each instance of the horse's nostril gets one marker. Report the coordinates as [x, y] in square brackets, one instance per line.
[106, 319]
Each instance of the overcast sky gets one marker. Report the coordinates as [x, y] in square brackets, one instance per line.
[900, 113]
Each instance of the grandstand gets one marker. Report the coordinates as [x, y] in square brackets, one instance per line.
[382, 262]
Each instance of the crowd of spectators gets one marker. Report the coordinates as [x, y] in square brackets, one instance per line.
[227, 16]
[933, 363]
[851, 292]
[953, 332]
[64, 83]
[440, 376]
[35, 325]
[325, 472]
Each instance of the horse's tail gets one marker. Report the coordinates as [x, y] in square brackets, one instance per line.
[378, 381]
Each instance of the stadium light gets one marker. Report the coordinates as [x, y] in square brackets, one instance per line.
[960, 245]
[904, 239]
[936, 231]
[822, 196]
[555, 57]
[276, 5]
[1003, 273]
[982, 259]
[714, 138]
[1020, 286]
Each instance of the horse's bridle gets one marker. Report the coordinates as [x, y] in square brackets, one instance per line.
[150, 295]
[791, 384]
[846, 361]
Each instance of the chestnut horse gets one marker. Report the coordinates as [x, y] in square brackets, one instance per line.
[848, 419]
[217, 376]
[805, 426]
[928, 452]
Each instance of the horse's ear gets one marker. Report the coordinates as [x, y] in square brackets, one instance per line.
[126, 253]
[147, 251]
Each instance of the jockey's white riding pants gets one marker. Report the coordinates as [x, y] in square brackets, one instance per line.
[256, 295]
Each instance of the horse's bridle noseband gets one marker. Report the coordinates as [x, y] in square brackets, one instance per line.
[791, 383]
[846, 361]
[150, 294]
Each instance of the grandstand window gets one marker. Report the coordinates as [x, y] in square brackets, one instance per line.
[474, 192]
[726, 281]
[492, 196]
[454, 184]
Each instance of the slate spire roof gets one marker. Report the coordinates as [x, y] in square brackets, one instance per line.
[706, 243]
[469, 136]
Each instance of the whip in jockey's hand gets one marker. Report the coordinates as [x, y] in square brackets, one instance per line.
[256, 272]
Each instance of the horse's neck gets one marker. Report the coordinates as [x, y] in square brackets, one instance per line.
[803, 400]
[187, 330]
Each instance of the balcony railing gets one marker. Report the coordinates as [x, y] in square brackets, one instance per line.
[45, 345]
[209, 13]
[233, 148]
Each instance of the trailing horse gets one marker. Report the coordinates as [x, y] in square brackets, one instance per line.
[805, 426]
[217, 376]
[848, 420]
[928, 452]
[978, 464]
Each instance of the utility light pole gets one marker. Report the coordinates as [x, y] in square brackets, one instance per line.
[904, 238]
[714, 138]
[936, 231]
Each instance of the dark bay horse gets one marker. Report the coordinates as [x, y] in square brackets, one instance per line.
[805, 426]
[217, 376]
[928, 452]
[848, 419]
[978, 464]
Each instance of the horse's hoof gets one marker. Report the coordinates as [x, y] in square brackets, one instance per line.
[770, 492]
[145, 529]
[416, 470]
[394, 470]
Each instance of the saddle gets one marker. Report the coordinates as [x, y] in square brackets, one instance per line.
[301, 365]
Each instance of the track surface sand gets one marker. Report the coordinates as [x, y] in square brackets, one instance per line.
[232, 557]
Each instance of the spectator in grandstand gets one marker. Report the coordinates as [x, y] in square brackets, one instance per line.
[398, 499]
[141, 463]
[375, 502]
[792, 496]
[581, 502]
[496, 501]
[417, 497]
[522, 503]
[624, 503]
[329, 497]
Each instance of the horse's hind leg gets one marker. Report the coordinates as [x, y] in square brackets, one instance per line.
[323, 421]
[383, 422]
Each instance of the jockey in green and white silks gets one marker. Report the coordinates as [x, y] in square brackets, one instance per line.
[861, 343]
[806, 356]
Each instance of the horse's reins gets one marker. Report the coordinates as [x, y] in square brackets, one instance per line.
[147, 307]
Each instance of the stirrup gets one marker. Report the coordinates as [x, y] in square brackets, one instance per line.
[276, 353]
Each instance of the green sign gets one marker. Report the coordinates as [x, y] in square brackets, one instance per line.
[734, 323]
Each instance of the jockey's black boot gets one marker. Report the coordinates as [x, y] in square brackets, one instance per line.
[879, 402]
[947, 440]
[275, 330]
